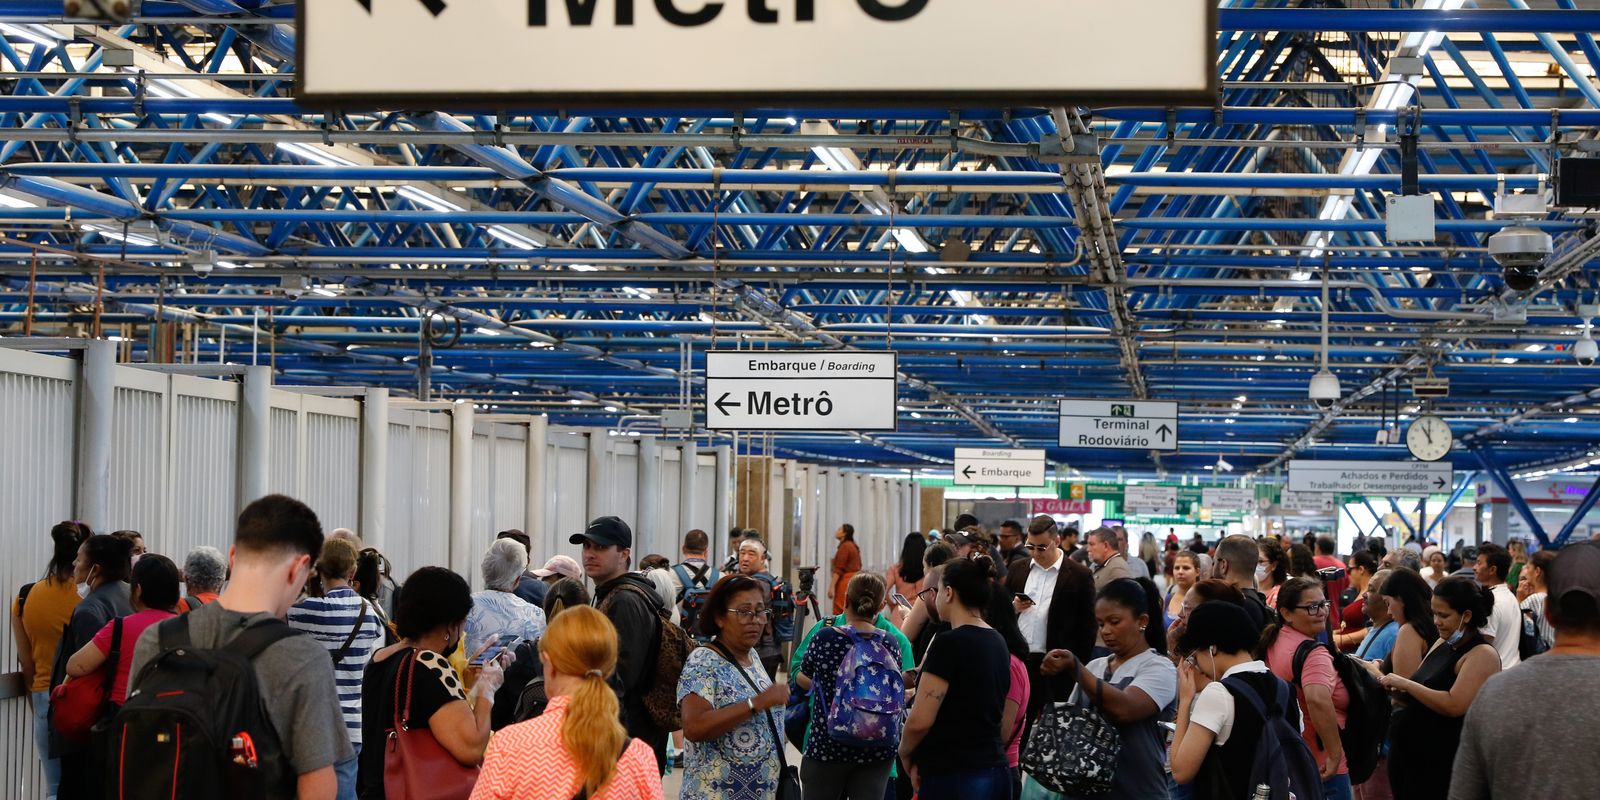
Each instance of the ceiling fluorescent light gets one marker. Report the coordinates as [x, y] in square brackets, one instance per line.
[38, 34]
[314, 154]
[12, 201]
[510, 237]
[432, 201]
[117, 236]
[911, 240]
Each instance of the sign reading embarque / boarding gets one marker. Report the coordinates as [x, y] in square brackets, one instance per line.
[1119, 425]
[977, 466]
[465, 52]
[836, 390]
[1395, 478]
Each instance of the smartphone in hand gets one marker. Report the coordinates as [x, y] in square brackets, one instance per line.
[499, 644]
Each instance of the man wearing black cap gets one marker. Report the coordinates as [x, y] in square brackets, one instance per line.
[630, 601]
[1519, 742]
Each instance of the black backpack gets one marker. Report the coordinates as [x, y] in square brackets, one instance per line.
[696, 583]
[196, 725]
[1531, 642]
[1282, 761]
[1366, 724]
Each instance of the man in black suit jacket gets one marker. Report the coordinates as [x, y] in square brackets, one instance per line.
[1058, 612]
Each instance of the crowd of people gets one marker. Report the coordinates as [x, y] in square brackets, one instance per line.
[1007, 664]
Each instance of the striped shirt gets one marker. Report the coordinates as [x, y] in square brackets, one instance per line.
[329, 620]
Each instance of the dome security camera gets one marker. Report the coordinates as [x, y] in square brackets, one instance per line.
[1586, 351]
[1325, 389]
[1522, 252]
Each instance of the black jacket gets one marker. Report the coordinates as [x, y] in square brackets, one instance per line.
[1071, 624]
[636, 617]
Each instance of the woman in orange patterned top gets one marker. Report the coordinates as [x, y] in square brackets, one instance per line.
[573, 749]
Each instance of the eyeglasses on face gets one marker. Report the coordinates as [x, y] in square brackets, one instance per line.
[1314, 608]
[748, 615]
[1038, 548]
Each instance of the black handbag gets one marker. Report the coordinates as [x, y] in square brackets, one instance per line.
[788, 777]
[1073, 748]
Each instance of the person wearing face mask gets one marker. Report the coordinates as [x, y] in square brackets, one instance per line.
[1426, 727]
[1217, 736]
[274, 543]
[104, 564]
[432, 618]
[1272, 569]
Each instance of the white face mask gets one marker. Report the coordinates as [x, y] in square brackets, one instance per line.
[1261, 574]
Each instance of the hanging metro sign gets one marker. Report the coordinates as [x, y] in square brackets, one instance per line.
[402, 53]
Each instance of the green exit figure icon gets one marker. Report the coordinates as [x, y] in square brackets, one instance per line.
[1122, 411]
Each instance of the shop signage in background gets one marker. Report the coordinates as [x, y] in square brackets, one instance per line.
[1223, 499]
[759, 390]
[1119, 425]
[1379, 478]
[1062, 508]
[1143, 499]
[438, 53]
[1316, 502]
[999, 467]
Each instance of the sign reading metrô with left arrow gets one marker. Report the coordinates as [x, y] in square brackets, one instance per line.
[976, 466]
[834, 390]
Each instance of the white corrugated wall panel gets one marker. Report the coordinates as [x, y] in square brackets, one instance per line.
[705, 493]
[283, 473]
[204, 484]
[400, 477]
[623, 494]
[482, 501]
[510, 478]
[671, 486]
[569, 491]
[37, 428]
[430, 533]
[138, 459]
[333, 468]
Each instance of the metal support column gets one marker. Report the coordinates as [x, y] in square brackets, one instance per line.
[461, 554]
[648, 529]
[1513, 495]
[255, 434]
[1578, 514]
[537, 499]
[722, 506]
[1377, 519]
[374, 514]
[688, 470]
[96, 394]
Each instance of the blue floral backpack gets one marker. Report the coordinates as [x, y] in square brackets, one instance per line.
[869, 693]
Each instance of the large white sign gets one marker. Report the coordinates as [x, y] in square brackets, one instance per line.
[578, 52]
[827, 391]
[1119, 425]
[982, 467]
[1151, 499]
[1397, 478]
[1221, 499]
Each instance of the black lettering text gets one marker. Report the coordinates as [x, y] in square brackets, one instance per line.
[580, 13]
[760, 13]
[669, 12]
[878, 9]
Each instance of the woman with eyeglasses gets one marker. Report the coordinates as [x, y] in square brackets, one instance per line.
[1426, 727]
[727, 700]
[1303, 609]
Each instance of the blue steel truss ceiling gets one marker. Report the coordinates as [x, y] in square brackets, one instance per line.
[582, 265]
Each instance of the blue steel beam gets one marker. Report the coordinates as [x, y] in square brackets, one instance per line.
[1513, 495]
[1578, 514]
[1394, 503]
[1455, 497]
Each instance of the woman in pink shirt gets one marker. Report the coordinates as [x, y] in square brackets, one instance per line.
[154, 593]
[577, 747]
[1323, 700]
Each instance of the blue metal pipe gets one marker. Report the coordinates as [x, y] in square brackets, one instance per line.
[1408, 20]
[1455, 497]
[1513, 495]
[1578, 514]
[1345, 117]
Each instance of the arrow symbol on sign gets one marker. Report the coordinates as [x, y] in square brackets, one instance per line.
[967, 473]
[1438, 483]
[1164, 431]
[722, 403]
[435, 7]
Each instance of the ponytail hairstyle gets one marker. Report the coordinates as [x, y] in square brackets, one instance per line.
[1464, 595]
[65, 539]
[1140, 597]
[582, 643]
[864, 595]
[969, 580]
[1289, 596]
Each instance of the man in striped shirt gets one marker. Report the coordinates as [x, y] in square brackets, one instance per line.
[342, 622]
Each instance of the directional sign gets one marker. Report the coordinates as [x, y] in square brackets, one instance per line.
[1222, 499]
[981, 467]
[1151, 499]
[1307, 501]
[776, 391]
[1119, 425]
[477, 53]
[1381, 478]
